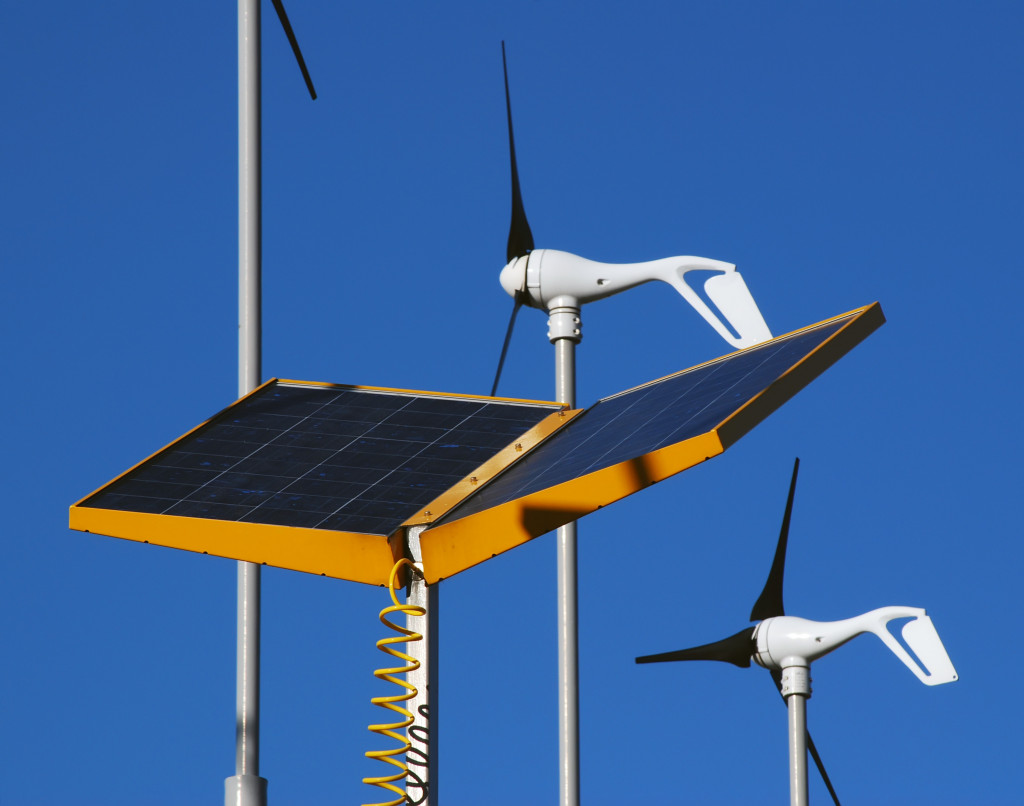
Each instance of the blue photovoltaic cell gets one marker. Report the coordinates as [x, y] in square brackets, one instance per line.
[636, 422]
[336, 458]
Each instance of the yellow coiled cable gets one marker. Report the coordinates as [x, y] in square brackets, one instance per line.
[391, 703]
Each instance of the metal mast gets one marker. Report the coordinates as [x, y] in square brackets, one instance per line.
[246, 787]
[565, 334]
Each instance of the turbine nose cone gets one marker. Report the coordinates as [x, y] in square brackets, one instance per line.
[513, 276]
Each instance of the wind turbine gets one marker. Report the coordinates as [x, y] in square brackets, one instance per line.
[560, 283]
[246, 787]
[787, 645]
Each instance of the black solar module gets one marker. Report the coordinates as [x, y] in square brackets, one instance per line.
[642, 420]
[322, 457]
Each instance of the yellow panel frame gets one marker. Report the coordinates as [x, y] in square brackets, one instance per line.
[345, 555]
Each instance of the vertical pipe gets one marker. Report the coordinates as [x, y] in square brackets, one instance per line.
[796, 705]
[421, 786]
[249, 197]
[246, 787]
[568, 630]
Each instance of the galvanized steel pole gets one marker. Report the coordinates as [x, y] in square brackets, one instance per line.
[246, 787]
[565, 334]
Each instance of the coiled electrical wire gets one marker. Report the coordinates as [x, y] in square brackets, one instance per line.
[392, 702]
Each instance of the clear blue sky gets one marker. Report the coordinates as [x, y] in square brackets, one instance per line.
[838, 153]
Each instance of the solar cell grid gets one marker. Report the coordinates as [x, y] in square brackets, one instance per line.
[322, 457]
[642, 420]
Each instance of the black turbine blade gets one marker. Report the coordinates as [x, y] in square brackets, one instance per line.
[769, 603]
[279, 7]
[777, 677]
[821, 768]
[736, 649]
[520, 239]
[508, 337]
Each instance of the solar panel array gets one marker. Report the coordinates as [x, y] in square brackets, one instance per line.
[322, 457]
[636, 422]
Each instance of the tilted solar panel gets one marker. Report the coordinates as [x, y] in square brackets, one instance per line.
[650, 417]
[317, 456]
[351, 460]
[638, 437]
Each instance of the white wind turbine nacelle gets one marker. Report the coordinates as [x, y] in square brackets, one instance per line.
[785, 641]
[551, 279]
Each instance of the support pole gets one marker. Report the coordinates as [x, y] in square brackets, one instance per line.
[421, 786]
[565, 333]
[796, 688]
[246, 787]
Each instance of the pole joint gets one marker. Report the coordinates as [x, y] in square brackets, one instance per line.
[564, 320]
[796, 679]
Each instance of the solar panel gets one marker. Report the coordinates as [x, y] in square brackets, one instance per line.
[351, 460]
[701, 410]
[650, 417]
[317, 456]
